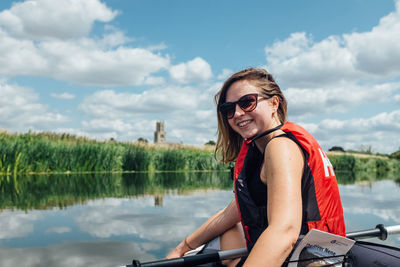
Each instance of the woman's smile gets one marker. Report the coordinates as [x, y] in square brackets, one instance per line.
[244, 123]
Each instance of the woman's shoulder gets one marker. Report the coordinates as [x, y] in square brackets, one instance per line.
[282, 145]
[282, 158]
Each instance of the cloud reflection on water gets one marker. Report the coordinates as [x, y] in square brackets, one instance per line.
[17, 223]
[368, 204]
[113, 231]
[107, 253]
[179, 216]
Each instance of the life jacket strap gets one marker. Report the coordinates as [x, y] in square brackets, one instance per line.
[252, 139]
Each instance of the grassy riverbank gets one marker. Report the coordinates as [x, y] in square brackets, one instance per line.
[352, 167]
[60, 153]
[64, 153]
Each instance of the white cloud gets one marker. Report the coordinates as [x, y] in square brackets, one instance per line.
[20, 110]
[83, 61]
[87, 63]
[154, 80]
[57, 45]
[59, 230]
[339, 99]
[20, 57]
[298, 61]
[294, 45]
[225, 73]
[380, 132]
[193, 127]
[110, 104]
[338, 75]
[397, 99]
[72, 131]
[102, 125]
[309, 64]
[188, 113]
[113, 37]
[123, 130]
[156, 47]
[61, 19]
[333, 75]
[196, 70]
[141, 128]
[377, 52]
[63, 96]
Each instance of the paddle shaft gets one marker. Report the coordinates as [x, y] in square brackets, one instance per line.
[380, 231]
[195, 259]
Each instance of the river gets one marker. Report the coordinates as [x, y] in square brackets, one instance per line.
[112, 219]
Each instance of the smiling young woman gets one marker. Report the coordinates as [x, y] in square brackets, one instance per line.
[284, 183]
[261, 82]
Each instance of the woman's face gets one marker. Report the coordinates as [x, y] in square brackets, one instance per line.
[248, 124]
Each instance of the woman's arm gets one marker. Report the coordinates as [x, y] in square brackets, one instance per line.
[213, 227]
[282, 172]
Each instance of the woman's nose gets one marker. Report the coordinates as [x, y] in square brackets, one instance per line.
[238, 111]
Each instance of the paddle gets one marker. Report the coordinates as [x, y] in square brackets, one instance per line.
[380, 232]
[195, 259]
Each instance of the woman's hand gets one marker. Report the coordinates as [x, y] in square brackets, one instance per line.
[215, 226]
[179, 251]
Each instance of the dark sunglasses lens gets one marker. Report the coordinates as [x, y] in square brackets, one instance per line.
[248, 102]
[228, 110]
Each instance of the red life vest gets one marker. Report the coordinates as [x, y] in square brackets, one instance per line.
[322, 208]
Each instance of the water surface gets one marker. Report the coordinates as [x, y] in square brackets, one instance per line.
[108, 220]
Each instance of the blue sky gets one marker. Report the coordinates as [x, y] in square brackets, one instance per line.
[111, 69]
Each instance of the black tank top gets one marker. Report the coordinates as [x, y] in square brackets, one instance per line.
[258, 190]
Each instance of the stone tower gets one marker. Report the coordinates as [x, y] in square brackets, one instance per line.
[159, 134]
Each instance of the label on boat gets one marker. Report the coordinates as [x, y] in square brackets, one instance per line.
[319, 248]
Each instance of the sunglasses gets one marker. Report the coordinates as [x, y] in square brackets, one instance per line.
[247, 103]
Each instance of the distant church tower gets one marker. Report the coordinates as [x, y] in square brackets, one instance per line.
[159, 134]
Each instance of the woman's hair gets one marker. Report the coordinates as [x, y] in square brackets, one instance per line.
[229, 142]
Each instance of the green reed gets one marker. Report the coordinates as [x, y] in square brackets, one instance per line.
[52, 153]
[49, 153]
[351, 168]
[136, 158]
[37, 153]
[343, 163]
[184, 159]
[168, 160]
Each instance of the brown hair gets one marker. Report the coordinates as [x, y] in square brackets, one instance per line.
[229, 142]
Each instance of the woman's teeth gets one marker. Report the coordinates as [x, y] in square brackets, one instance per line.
[243, 123]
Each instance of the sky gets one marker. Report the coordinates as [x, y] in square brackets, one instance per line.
[113, 68]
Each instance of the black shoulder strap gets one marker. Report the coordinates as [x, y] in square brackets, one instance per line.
[252, 139]
[281, 135]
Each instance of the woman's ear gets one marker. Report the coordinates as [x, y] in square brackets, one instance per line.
[275, 102]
